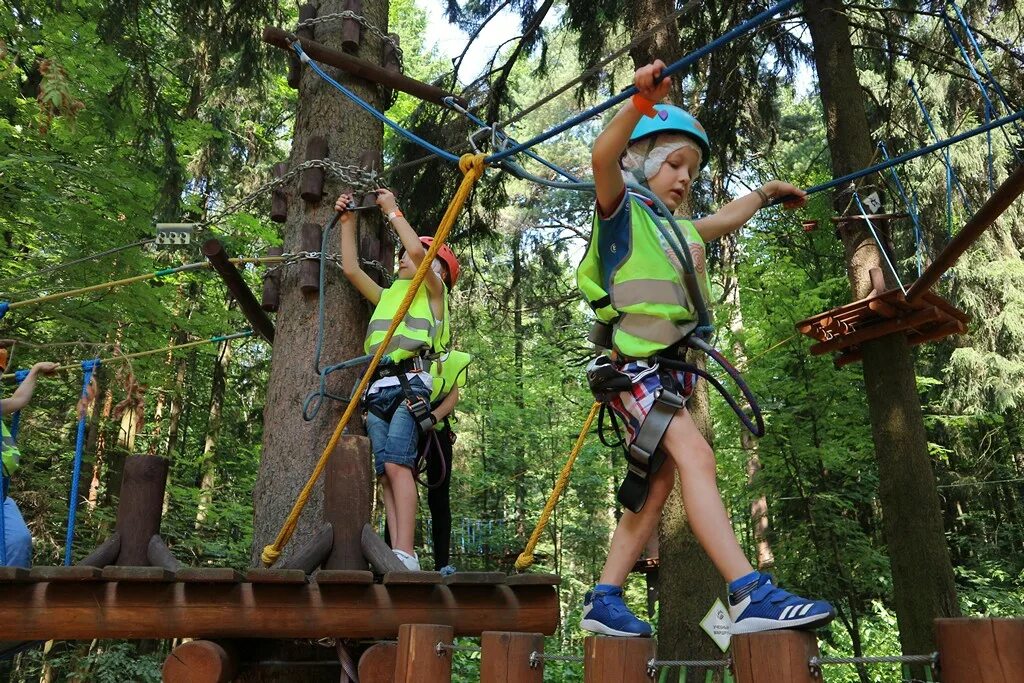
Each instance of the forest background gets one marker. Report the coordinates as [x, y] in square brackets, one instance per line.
[116, 114]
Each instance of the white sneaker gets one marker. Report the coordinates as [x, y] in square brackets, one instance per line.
[411, 562]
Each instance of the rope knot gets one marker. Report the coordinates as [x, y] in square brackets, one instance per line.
[269, 555]
[524, 561]
[472, 163]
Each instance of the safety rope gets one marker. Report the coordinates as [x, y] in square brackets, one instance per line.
[88, 367]
[525, 558]
[921, 249]
[472, 167]
[67, 264]
[113, 284]
[878, 239]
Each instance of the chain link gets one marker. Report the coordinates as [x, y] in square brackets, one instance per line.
[291, 258]
[361, 180]
[348, 14]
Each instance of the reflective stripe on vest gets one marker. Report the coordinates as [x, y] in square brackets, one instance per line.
[11, 456]
[631, 281]
[417, 332]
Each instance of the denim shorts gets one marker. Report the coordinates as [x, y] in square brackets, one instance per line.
[394, 441]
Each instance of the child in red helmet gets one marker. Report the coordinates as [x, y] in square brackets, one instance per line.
[397, 402]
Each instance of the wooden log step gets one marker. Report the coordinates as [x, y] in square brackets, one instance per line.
[533, 580]
[209, 575]
[13, 574]
[474, 579]
[343, 576]
[407, 578]
[275, 576]
[66, 574]
[137, 574]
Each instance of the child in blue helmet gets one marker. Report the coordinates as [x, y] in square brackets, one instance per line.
[636, 284]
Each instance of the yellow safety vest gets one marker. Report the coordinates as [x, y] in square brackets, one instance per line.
[449, 370]
[630, 283]
[416, 333]
[11, 455]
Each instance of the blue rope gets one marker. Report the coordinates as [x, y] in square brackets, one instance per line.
[1000, 93]
[683, 63]
[907, 156]
[88, 367]
[911, 209]
[878, 241]
[4, 305]
[409, 135]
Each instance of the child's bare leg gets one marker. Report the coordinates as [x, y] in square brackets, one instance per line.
[708, 519]
[634, 529]
[388, 496]
[403, 491]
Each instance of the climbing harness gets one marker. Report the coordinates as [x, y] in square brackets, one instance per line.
[472, 167]
[431, 446]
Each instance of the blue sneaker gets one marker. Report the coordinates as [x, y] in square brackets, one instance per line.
[604, 612]
[447, 570]
[757, 605]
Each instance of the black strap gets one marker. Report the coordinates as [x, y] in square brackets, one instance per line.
[620, 440]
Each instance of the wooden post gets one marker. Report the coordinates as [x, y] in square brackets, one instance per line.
[419, 659]
[200, 661]
[377, 665]
[347, 488]
[141, 507]
[271, 293]
[775, 657]
[309, 267]
[159, 555]
[306, 12]
[104, 554]
[214, 252]
[351, 28]
[312, 555]
[279, 197]
[980, 650]
[617, 660]
[311, 187]
[992, 209]
[378, 553]
[505, 657]
[359, 67]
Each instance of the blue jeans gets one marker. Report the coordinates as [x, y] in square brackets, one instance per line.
[17, 539]
[393, 441]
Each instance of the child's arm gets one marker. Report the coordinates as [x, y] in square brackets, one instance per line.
[447, 405]
[23, 394]
[733, 215]
[609, 145]
[413, 247]
[350, 253]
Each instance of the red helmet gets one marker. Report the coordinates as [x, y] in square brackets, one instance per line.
[446, 254]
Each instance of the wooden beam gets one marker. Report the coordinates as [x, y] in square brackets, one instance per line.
[200, 661]
[617, 660]
[775, 656]
[310, 556]
[84, 610]
[348, 488]
[980, 650]
[377, 552]
[159, 555]
[140, 509]
[213, 250]
[890, 326]
[104, 554]
[420, 660]
[358, 67]
[992, 209]
[377, 664]
[505, 657]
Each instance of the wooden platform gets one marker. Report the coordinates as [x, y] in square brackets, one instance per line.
[136, 602]
[844, 329]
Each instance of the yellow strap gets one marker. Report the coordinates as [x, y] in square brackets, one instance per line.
[525, 558]
[472, 167]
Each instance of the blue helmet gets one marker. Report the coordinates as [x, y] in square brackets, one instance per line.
[672, 119]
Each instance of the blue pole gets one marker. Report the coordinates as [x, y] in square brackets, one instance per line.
[683, 63]
[88, 367]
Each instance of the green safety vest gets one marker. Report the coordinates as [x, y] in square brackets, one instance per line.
[416, 333]
[11, 455]
[644, 298]
[449, 370]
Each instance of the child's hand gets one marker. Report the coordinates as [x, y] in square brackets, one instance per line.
[342, 207]
[386, 200]
[45, 368]
[645, 81]
[778, 188]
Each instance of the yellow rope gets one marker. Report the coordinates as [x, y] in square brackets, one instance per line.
[525, 558]
[136, 278]
[472, 167]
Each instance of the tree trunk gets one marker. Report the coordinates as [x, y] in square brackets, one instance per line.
[208, 462]
[921, 569]
[291, 446]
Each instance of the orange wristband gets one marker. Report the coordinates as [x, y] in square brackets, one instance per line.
[644, 105]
